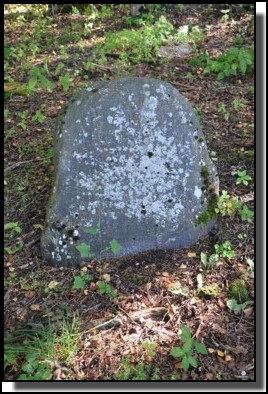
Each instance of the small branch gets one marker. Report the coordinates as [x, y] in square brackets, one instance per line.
[19, 163]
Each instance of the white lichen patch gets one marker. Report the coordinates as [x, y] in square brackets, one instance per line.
[197, 192]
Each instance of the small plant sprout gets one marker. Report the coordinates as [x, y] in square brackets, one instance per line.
[186, 352]
[243, 177]
[208, 262]
[225, 250]
[226, 205]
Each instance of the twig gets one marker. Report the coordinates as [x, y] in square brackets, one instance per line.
[19, 163]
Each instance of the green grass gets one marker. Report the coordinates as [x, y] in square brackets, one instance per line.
[34, 352]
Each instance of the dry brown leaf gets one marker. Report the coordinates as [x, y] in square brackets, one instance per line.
[106, 277]
[165, 274]
[178, 365]
[228, 358]
[191, 254]
[195, 300]
[248, 311]
[36, 307]
[211, 350]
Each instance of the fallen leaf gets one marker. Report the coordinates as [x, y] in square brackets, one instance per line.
[228, 358]
[22, 314]
[52, 284]
[84, 269]
[220, 353]
[35, 307]
[165, 274]
[106, 277]
[191, 254]
[178, 365]
[211, 350]
[248, 311]
[195, 300]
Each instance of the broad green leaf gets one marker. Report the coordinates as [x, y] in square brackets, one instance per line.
[185, 363]
[84, 250]
[192, 361]
[187, 346]
[91, 231]
[177, 352]
[200, 348]
[186, 333]
[79, 283]
[115, 246]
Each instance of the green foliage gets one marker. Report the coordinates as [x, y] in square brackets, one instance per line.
[38, 117]
[247, 214]
[128, 371]
[65, 81]
[189, 33]
[208, 263]
[23, 115]
[222, 109]
[80, 281]
[238, 290]
[115, 246]
[237, 104]
[13, 227]
[186, 351]
[150, 348]
[233, 61]
[84, 248]
[225, 250]
[105, 288]
[235, 307]
[133, 45]
[242, 177]
[37, 77]
[36, 350]
[226, 205]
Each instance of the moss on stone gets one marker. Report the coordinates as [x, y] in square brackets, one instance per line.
[212, 198]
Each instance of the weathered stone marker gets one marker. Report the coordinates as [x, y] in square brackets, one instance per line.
[131, 165]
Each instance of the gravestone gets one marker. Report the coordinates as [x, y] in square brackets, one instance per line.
[131, 168]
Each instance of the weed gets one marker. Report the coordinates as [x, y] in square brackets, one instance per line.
[41, 349]
[150, 348]
[128, 371]
[65, 81]
[208, 262]
[235, 307]
[22, 123]
[186, 351]
[226, 205]
[233, 61]
[80, 281]
[85, 249]
[247, 214]
[222, 108]
[237, 104]
[38, 117]
[104, 288]
[238, 290]
[242, 177]
[225, 250]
